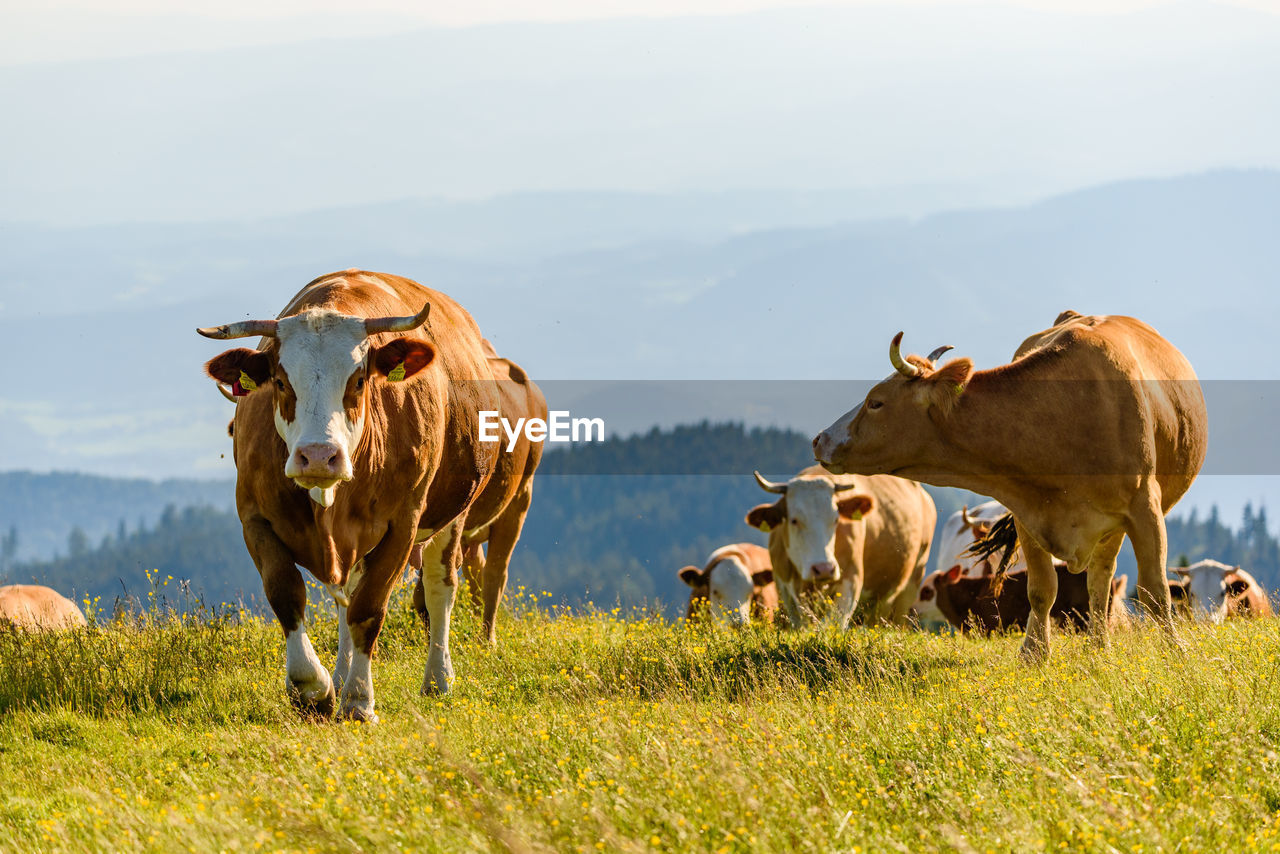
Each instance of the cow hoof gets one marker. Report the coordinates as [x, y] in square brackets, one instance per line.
[360, 713]
[1033, 653]
[311, 700]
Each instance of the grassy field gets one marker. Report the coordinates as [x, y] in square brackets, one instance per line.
[596, 732]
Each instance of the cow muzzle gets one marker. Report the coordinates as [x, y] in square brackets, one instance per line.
[823, 449]
[318, 464]
[824, 571]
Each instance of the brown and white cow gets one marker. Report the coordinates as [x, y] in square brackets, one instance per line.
[1093, 432]
[837, 540]
[735, 585]
[1211, 591]
[36, 608]
[357, 436]
[962, 529]
[971, 603]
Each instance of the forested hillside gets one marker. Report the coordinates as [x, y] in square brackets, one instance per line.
[604, 526]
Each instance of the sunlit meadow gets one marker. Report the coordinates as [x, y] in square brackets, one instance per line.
[623, 732]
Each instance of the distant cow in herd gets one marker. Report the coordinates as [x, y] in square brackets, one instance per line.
[34, 608]
[970, 604]
[836, 542]
[735, 585]
[1212, 591]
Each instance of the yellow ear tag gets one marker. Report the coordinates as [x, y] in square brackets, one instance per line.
[856, 516]
[764, 526]
[397, 373]
[246, 383]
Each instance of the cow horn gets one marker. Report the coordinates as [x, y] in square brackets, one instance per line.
[767, 486]
[964, 517]
[225, 393]
[845, 487]
[933, 357]
[375, 325]
[895, 356]
[242, 329]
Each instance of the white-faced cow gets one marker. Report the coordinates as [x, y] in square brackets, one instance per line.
[357, 436]
[735, 585]
[837, 540]
[33, 607]
[1092, 433]
[1212, 591]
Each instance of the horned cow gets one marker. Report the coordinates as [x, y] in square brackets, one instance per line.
[835, 541]
[355, 436]
[1092, 433]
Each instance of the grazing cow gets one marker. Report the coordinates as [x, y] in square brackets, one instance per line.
[968, 602]
[846, 538]
[36, 608]
[498, 514]
[735, 585]
[1210, 590]
[357, 435]
[1093, 432]
[961, 530]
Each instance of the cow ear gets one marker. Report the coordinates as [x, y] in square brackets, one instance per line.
[762, 578]
[1236, 585]
[945, 386]
[235, 366]
[691, 576]
[855, 506]
[952, 575]
[766, 517]
[401, 358]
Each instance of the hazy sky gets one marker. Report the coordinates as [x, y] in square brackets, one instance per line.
[57, 30]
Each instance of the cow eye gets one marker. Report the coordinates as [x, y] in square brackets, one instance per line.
[795, 521]
[359, 383]
[874, 404]
[279, 383]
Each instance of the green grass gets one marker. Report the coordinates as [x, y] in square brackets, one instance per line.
[597, 732]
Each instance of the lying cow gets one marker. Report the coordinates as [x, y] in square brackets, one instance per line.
[961, 530]
[735, 585]
[834, 541]
[1212, 591]
[968, 603]
[35, 608]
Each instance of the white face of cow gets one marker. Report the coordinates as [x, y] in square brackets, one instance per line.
[811, 528]
[731, 589]
[926, 604]
[1207, 589]
[322, 361]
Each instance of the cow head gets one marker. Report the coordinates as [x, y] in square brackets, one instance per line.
[317, 368]
[900, 418]
[728, 586]
[1208, 589]
[805, 517]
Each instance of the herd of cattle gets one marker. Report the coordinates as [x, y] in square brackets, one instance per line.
[358, 452]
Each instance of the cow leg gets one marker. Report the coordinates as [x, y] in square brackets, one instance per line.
[441, 559]
[1146, 532]
[473, 564]
[846, 601]
[1102, 568]
[503, 535]
[797, 614]
[901, 603]
[1042, 590]
[342, 665]
[307, 683]
[370, 592]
